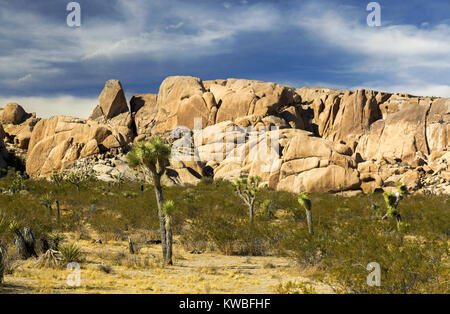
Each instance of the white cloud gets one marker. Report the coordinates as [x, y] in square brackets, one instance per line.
[408, 56]
[25, 78]
[209, 32]
[145, 30]
[44, 107]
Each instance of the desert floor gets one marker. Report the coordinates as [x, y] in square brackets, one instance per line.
[109, 268]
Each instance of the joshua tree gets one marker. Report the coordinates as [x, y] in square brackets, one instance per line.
[57, 178]
[47, 200]
[151, 158]
[266, 206]
[17, 183]
[392, 200]
[304, 200]
[247, 188]
[168, 210]
[75, 178]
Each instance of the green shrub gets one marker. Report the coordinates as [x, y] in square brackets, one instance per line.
[70, 253]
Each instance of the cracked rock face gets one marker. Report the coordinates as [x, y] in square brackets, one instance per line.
[328, 140]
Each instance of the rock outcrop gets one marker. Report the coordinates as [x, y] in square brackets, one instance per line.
[310, 139]
[57, 142]
[13, 114]
[144, 110]
[112, 101]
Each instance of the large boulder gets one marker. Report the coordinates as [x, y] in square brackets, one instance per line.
[238, 98]
[3, 155]
[343, 115]
[400, 136]
[181, 100]
[286, 159]
[21, 133]
[112, 101]
[438, 126]
[13, 114]
[144, 110]
[57, 142]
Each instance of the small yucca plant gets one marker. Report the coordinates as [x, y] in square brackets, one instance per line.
[55, 239]
[305, 201]
[392, 200]
[70, 253]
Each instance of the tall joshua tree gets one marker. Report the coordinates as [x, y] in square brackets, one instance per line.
[151, 158]
[303, 199]
[247, 188]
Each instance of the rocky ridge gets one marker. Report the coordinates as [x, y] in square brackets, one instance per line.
[327, 140]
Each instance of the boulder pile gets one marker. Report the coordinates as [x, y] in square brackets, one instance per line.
[305, 139]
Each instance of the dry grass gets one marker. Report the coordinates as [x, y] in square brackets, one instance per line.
[109, 268]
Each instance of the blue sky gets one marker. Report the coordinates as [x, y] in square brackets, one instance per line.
[52, 69]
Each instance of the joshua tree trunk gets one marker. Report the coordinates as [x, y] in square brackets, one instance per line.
[309, 221]
[21, 248]
[169, 239]
[2, 265]
[251, 210]
[162, 220]
[131, 246]
[30, 241]
[58, 212]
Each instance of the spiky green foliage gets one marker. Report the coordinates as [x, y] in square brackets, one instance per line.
[76, 179]
[149, 154]
[55, 239]
[57, 178]
[47, 200]
[401, 188]
[70, 253]
[168, 208]
[392, 200]
[17, 183]
[304, 200]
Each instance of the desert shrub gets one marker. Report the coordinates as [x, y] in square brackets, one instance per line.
[230, 234]
[70, 253]
[291, 287]
[349, 237]
[55, 239]
[137, 262]
[17, 182]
